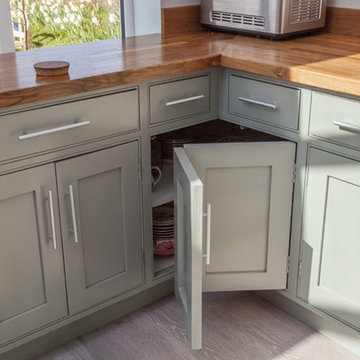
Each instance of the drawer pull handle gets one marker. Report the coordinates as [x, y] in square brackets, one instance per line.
[347, 127]
[52, 219]
[52, 130]
[256, 102]
[70, 192]
[208, 234]
[192, 98]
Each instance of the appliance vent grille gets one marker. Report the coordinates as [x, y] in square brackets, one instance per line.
[248, 20]
[305, 10]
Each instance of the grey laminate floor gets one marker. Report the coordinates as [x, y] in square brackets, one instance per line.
[236, 326]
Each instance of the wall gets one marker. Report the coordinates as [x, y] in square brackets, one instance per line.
[352, 4]
[6, 41]
[147, 17]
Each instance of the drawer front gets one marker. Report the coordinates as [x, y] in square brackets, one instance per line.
[335, 119]
[56, 126]
[180, 98]
[272, 104]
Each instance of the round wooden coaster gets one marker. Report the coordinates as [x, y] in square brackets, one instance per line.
[52, 68]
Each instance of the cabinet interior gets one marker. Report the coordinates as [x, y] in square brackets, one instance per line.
[215, 131]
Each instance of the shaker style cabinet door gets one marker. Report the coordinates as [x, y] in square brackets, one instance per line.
[101, 224]
[188, 215]
[247, 199]
[330, 252]
[32, 284]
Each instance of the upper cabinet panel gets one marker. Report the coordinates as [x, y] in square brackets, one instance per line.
[272, 104]
[57, 126]
[179, 99]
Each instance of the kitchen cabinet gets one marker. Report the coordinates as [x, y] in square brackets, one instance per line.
[32, 284]
[99, 201]
[243, 180]
[245, 190]
[101, 224]
[330, 254]
[233, 198]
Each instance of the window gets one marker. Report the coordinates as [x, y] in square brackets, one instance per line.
[48, 23]
[53, 22]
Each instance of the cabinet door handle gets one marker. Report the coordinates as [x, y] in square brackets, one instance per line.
[208, 233]
[73, 213]
[180, 101]
[52, 219]
[74, 125]
[257, 102]
[347, 127]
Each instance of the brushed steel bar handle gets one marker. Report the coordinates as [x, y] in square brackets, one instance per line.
[347, 127]
[52, 219]
[208, 233]
[257, 102]
[30, 135]
[185, 100]
[73, 213]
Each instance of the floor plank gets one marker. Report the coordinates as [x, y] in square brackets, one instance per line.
[236, 326]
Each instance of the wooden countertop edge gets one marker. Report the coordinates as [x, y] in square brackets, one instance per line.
[217, 55]
[313, 78]
[69, 87]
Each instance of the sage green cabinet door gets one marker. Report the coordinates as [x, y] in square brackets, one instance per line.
[245, 191]
[101, 224]
[32, 284]
[248, 187]
[330, 273]
[188, 214]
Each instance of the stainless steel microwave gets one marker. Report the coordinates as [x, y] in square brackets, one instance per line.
[272, 18]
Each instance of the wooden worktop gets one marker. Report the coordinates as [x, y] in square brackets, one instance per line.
[328, 61]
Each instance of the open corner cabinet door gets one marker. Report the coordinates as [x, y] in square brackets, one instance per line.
[188, 264]
[248, 187]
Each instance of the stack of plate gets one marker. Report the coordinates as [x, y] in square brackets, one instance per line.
[163, 230]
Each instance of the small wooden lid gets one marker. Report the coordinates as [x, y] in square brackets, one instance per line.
[52, 68]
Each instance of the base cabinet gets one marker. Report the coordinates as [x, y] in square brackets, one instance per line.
[32, 284]
[98, 225]
[330, 254]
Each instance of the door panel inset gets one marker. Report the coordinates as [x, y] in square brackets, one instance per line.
[239, 238]
[106, 258]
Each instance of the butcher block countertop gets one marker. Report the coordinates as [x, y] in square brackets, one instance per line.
[326, 61]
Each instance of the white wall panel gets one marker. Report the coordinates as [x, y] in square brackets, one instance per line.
[351, 4]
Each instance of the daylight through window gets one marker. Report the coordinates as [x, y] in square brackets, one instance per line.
[47, 23]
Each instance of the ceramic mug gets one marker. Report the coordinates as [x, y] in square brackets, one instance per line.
[155, 175]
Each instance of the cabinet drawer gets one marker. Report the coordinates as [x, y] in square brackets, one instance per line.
[335, 119]
[180, 98]
[273, 104]
[61, 125]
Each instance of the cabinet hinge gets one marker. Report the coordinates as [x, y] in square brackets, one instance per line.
[294, 174]
[288, 265]
[139, 169]
[300, 269]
